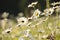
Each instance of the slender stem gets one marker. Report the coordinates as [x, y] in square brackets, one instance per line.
[57, 16]
[47, 4]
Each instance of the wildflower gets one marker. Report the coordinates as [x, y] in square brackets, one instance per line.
[22, 21]
[55, 3]
[49, 11]
[7, 31]
[29, 18]
[44, 36]
[3, 23]
[5, 15]
[56, 7]
[32, 4]
[20, 14]
[36, 13]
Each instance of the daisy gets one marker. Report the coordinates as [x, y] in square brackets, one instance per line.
[51, 10]
[5, 15]
[7, 31]
[32, 4]
[48, 11]
[22, 21]
[55, 3]
[36, 13]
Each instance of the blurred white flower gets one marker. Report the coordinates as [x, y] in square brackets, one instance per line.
[5, 15]
[49, 11]
[29, 18]
[36, 13]
[32, 11]
[55, 3]
[3, 23]
[44, 36]
[7, 31]
[22, 21]
[20, 14]
[32, 4]
[56, 7]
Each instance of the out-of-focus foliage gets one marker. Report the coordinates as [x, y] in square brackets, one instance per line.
[41, 25]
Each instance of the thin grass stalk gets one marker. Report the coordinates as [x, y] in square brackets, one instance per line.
[57, 15]
[47, 4]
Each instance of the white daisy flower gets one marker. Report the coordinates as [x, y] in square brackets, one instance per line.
[7, 31]
[36, 13]
[49, 11]
[5, 15]
[22, 21]
[55, 3]
[32, 4]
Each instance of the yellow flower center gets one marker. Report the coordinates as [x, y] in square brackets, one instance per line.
[36, 14]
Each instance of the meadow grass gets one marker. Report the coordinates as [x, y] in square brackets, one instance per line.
[52, 22]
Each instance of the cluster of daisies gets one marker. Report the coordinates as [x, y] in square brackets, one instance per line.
[29, 23]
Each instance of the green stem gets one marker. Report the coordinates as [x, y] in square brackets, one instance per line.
[57, 17]
[47, 4]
